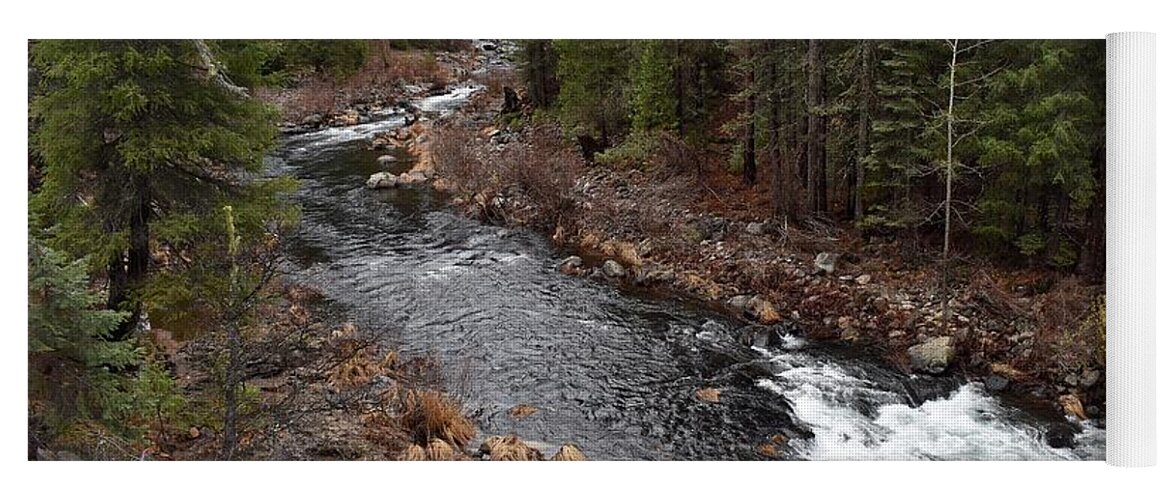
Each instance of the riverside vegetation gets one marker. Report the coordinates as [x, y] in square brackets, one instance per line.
[940, 203]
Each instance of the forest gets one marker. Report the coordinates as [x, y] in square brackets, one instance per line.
[216, 228]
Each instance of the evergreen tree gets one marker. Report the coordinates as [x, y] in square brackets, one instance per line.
[594, 93]
[655, 97]
[141, 141]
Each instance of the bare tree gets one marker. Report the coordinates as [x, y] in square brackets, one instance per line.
[949, 175]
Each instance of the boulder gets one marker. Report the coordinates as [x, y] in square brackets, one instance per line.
[412, 177]
[613, 269]
[661, 276]
[382, 180]
[571, 265]
[312, 120]
[933, 356]
[826, 262]
[739, 302]
[386, 160]
[995, 383]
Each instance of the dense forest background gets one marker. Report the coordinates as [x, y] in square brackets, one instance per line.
[1000, 143]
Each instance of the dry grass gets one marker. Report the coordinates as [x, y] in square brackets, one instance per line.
[429, 415]
[509, 448]
[440, 450]
[1071, 327]
[708, 395]
[569, 453]
[413, 453]
[522, 411]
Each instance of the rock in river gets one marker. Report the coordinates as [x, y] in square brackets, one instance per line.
[382, 180]
[571, 265]
[932, 356]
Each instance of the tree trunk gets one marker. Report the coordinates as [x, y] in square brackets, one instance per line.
[815, 102]
[680, 94]
[749, 158]
[950, 171]
[1092, 262]
[865, 108]
[232, 372]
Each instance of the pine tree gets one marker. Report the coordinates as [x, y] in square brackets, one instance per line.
[594, 78]
[141, 141]
[655, 96]
[815, 101]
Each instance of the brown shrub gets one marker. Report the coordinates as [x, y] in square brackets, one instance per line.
[361, 367]
[429, 415]
[1071, 326]
[455, 160]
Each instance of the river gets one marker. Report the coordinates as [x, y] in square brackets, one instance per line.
[615, 372]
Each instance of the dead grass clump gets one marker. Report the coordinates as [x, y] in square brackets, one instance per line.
[413, 453]
[569, 453]
[708, 395]
[509, 448]
[522, 411]
[440, 450]
[361, 368]
[429, 415]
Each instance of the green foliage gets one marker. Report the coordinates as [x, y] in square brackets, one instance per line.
[75, 373]
[337, 58]
[62, 314]
[593, 77]
[653, 102]
[636, 151]
[140, 133]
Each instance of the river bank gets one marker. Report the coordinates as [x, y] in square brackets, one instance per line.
[1018, 329]
[486, 163]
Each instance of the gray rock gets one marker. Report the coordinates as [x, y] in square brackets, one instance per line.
[1090, 378]
[412, 177]
[313, 120]
[863, 280]
[995, 383]
[933, 356]
[739, 302]
[613, 269]
[826, 262]
[571, 265]
[386, 160]
[382, 180]
[755, 228]
[660, 276]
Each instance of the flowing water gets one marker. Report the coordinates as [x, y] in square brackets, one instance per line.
[614, 372]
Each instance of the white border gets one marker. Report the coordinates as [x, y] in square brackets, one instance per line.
[1130, 228]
